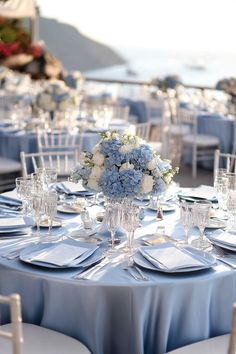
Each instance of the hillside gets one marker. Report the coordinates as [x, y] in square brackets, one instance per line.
[73, 49]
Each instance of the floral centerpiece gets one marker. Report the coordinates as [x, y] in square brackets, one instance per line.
[74, 79]
[123, 167]
[56, 97]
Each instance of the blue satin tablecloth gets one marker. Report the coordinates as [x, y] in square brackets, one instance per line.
[219, 126]
[12, 143]
[113, 313]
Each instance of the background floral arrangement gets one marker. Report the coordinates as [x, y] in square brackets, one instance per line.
[56, 97]
[228, 85]
[122, 167]
[73, 79]
[16, 40]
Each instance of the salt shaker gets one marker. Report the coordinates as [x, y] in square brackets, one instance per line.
[86, 219]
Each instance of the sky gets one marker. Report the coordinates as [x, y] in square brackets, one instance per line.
[206, 25]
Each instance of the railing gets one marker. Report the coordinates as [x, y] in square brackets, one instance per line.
[141, 83]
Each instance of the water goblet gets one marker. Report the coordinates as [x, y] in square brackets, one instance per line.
[48, 175]
[201, 216]
[186, 218]
[23, 189]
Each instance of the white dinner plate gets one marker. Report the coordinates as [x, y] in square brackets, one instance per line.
[216, 224]
[165, 207]
[55, 223]
[67, 209]
[25, 256]
[224, 246]
[140, 260]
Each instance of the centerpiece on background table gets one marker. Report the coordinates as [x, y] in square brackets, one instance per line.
[57, 99]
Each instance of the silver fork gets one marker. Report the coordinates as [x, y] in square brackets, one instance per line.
[132, 264]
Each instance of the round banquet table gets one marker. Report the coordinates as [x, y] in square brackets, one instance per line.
[13, 142]
[114, 313]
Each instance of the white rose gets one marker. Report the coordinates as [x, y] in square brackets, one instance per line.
[147, 184]
[127, 166]
[152, 164]
[98, 158]
[96, 172]
[93, 184]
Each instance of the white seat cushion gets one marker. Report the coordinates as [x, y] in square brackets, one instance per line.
[201, 140]
[179, 129]
[39, 340]
[216, 345]
[9, 165]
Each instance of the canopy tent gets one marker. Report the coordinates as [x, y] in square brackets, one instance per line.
[17, 8]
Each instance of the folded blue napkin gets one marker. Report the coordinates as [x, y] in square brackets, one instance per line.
[9, 201]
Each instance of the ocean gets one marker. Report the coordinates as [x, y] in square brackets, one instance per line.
[200, 68]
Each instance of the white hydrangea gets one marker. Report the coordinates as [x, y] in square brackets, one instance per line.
[126, 166]
[152, 164]
[147, 184]
[93, 184]
[98, 159]
[96, 172]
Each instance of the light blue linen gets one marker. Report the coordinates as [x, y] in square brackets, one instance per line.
[113, 313]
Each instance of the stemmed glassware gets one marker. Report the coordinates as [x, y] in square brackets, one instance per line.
[130, 222]
[24, 186]
[48, 176]
[37, 207]
[112, 217]
[201, 216]
[50, 209]
[186, 218]
[221, 189]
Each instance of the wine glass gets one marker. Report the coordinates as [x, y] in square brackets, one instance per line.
[130, 224]
[37, 207]
[186, 218]
[201, 216]
[50, 209]
[221, 189]
[113, 220]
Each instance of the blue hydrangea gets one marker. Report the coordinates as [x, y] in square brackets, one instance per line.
[116, 158]
[81, 172]
[163, 166]
[131, 181]
[108, 147]
[141, 156]
[111, 185]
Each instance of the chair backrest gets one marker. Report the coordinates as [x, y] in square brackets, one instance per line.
[120, 112]
[143, 130]
[232, 338]
[227, 161]
[55, 140]
[15, 335]
[63, 161]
